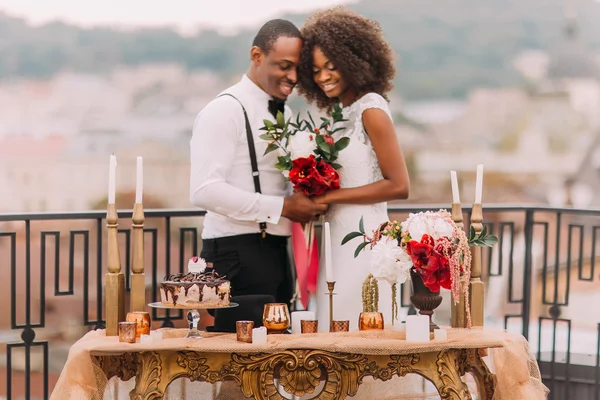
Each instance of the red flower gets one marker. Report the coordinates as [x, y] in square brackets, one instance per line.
[433, 266]
[328, 139]
[329, 174]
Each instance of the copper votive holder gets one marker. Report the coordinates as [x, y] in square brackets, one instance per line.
[340, 326]
[276, 317]
[244, 331]
[142, 320]
[127, 332]
[309, 326]
[369, 321]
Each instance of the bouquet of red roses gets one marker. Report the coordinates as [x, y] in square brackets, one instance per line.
[308, 152]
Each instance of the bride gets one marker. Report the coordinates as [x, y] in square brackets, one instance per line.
[346, 60]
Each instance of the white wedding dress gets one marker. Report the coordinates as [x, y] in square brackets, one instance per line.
[360, 167]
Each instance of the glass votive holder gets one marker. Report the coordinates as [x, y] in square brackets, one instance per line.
[127, 332]
[340, 326]
[142, 320]
[309, 326]
[244, 331]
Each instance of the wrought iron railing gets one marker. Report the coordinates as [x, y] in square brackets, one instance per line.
[539, 279]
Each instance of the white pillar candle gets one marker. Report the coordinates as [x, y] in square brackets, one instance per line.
[156, 335]
[146, 339]
[112, 172]
[454, 180]
[417, 328]
[328, 260]
[139, 181]
[479, 184]
[440, 334]
[298, 316]
[259, 335]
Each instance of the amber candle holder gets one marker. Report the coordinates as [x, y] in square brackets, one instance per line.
[340, 326]
[370, 321]
[309, 326]
[142, 321]
[276, 317]
[127, 331]
[244, 331]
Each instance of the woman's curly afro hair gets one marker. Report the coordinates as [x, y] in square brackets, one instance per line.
[356, 47]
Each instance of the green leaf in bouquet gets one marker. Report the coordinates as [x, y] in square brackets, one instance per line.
[271, 147]
[311, 120]
[266, 136]
[323, 146]
[351, 236]
[268, 124]
[280, 120]
[339, 128]
[361, 225]
[342, 143]
[360, 248]
[336, 165]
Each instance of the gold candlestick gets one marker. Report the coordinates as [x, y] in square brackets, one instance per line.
[114, 280]
[137, 295]
[330, 287]
[458, 309]
[476, 285]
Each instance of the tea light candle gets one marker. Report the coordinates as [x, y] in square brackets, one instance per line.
[297, 316]
[440, 334]
[417, 328]
[259, 335]
[146, 339]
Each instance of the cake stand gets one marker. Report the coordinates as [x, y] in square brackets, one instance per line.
[193, 315]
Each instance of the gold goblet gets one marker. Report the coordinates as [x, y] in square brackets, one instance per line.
[276, 317]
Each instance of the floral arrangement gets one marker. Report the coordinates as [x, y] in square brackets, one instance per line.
[308, 152]
[428, 243]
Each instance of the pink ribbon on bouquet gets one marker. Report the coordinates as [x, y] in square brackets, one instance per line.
[307, 263]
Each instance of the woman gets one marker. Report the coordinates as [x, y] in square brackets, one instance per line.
[346, 60]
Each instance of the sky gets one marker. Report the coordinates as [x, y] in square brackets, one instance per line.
[186, 15]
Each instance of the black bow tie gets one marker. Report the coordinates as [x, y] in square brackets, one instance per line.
[276, 105]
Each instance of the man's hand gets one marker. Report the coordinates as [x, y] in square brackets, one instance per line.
[300, 208]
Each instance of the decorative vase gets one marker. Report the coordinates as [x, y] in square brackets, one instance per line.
[424, 299]
[369, 321]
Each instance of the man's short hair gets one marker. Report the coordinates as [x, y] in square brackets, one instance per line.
[273, 30]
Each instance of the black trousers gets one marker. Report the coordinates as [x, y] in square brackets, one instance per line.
[253, 265]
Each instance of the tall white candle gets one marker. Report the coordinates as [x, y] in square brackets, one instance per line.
[328, 261]
[139, 182]
[454, 180]
[112, 172]
[479, 184]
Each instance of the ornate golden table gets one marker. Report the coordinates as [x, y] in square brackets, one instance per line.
[300, 371]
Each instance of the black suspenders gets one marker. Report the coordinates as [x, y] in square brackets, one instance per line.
[253, 162]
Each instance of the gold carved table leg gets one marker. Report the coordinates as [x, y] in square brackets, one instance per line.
[298, 372]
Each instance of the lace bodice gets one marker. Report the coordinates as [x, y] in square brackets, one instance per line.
[358, 160]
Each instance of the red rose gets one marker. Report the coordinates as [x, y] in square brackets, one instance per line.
[306, 178]
[328, 139]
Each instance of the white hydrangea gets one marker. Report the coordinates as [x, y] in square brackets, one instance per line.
[390, 262]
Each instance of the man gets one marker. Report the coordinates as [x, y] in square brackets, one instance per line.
[245, 232]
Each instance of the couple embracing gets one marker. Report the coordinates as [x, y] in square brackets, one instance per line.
[337, 57]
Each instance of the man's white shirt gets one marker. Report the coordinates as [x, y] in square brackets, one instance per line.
[221, 179]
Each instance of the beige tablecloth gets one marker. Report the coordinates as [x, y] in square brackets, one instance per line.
[517, 372]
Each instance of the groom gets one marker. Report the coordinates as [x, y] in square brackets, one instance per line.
[249, 212]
